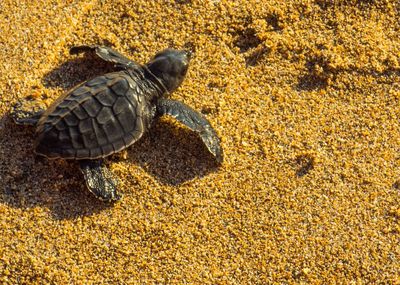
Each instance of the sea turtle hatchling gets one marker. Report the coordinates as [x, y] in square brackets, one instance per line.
[108, 113]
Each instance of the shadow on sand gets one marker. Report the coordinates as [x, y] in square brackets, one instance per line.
[170, 153]
[75, 71]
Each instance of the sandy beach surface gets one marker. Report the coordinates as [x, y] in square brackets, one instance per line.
[305, 97]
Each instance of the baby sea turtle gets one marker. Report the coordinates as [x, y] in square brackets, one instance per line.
[108, 113]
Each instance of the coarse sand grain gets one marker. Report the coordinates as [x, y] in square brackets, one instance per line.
[305, 96]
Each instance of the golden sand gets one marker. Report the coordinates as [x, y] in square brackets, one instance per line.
[305, 96]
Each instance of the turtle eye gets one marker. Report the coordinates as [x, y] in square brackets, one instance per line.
[184, 70]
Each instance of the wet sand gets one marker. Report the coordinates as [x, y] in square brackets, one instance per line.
[305, 97]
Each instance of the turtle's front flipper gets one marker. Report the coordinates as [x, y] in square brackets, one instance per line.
[194, 121]
[107, 54]
[26, 113]
[99, 180]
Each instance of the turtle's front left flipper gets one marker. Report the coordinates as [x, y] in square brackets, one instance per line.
[100, 180]
[106, 54]
[194, 121]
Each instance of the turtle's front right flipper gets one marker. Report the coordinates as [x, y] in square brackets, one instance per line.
[106, 54]
[100, 180]
[26, 112]
[194, 121]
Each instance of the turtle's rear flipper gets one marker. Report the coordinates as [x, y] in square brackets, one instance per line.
[106, 54]
[100, 180]
[194, 121]
[26, 113]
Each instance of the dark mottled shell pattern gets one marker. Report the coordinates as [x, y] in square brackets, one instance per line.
[97, 118]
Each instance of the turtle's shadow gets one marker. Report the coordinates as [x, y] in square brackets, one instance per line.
[172, 154]
[168, 152]
[28, 181]
[76, 70]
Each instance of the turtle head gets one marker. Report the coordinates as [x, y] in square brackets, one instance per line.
[169, 67]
